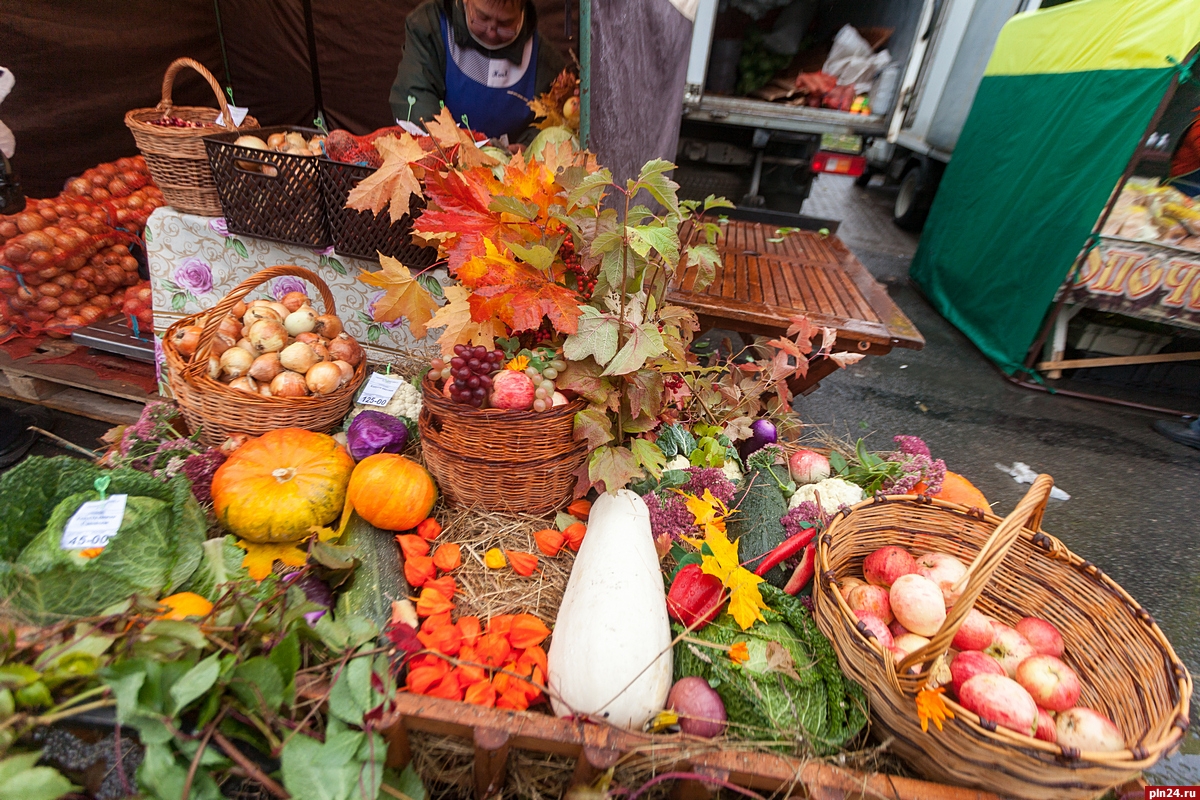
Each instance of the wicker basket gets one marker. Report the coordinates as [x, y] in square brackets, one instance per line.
[364, 234]
[267, 194]
[1127, 667]
[175, 156]
[500, 460]
[216, 411]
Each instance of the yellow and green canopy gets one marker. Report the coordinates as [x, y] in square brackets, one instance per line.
[1067, 95]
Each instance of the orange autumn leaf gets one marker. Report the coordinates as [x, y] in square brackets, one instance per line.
[494, 559]
[432, 601]
[435, 621]
[445, 131]
[444, 639]
[516, 293]
[445, 585]
[403, 296]
[492, 650]
[260, 558]
[420, 679]
[469, 629]
[580, 509]
[429, 528]
[419, 570]
[533, 657]
[395, 182]
[574, 534]
[448, 688]
[739, 653]
[549, 541]
[481, 693]
[412, 546]
[447, 557]
[527, 631]
[523, 564]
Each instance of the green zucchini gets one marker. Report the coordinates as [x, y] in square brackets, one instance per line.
[756, 526]
[379, 579]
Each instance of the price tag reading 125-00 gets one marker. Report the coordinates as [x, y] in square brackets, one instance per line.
[379, 390]
[94, 523]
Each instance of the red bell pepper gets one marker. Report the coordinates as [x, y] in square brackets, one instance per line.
[695, 598]
[804, 571]
[790, 547]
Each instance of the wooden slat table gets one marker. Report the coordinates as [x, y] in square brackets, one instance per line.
[762, 284]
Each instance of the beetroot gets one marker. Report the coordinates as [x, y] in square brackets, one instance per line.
[700, 710]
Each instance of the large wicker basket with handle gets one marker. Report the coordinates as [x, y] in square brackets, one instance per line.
[1128, 669]
[216, 410]
[176, 156]
[498, 459]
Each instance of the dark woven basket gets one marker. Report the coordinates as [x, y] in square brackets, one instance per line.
[364, 234]
[501, 460]
[282, 202]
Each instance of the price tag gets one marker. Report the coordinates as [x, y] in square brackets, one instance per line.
[94, 523]
[237, 112]
[379, 390]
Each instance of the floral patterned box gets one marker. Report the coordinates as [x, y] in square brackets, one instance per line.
[195, 261]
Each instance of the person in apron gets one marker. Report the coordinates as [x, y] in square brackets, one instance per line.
[482, 59]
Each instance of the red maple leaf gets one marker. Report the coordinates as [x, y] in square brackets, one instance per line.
[516, 293]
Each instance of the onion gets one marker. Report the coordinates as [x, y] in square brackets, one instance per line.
[808, 467]
[220, 344]
[214, 367]
[267, 336]
[235, 362]
[323, 378]
[238, 310]
[762, 433]
[264, 389]
[186, 338]
[298, 357]
[294, 300]
[322, 352]
[289, 384]
[265, 367]
[230, 327]
[302, 320]
[347, 371]
[244, 384]
[343, 347]
[253, 142]
[280, 309]
[310, 338]
[244, 343]
[328, 325]
[257, 313]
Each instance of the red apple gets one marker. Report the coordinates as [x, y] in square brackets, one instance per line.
[1009, 648]
[877, 627]
[917, 602]
[1042, 636]
[1001, 700]
[886, 564]
[975, 633]
[945, 570]
[847, 585]
[1050, 682]
[968, 664]
[1045, 727]
[897, 630]
[908, 643]
[871, 599]
[1088, 731]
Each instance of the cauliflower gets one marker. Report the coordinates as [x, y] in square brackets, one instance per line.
[406, 402]
[834, 493]
[678, 462]
[733, 470]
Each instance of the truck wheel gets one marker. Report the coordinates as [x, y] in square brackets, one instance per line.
[912, 201]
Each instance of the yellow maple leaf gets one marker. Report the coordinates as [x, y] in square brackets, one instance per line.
[455, 316]
[405, 296]
[396, 181]
[445, 131]
[708, 511]
[745, 600]
[261, 557]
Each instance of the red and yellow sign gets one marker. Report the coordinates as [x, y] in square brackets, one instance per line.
[1140, 279]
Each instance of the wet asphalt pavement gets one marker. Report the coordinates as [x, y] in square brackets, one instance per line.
[1135, 495]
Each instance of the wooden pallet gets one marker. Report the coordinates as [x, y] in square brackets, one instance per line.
[62, 375]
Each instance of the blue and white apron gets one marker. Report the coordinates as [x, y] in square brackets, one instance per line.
[480, 87]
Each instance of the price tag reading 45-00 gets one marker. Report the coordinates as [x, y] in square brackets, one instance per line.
[379, 390]
[94, 523]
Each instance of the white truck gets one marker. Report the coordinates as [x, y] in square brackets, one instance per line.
[768, 153]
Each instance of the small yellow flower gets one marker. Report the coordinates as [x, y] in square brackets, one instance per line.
[518, 364]
[494, 559]
[932, 706]
[90, 552]
[183, 605]
[739, 653]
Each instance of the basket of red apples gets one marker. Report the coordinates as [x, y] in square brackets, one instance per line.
[1042, 678]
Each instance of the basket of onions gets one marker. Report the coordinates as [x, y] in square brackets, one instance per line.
[253, 367]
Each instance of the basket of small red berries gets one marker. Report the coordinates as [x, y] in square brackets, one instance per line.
[497, 433]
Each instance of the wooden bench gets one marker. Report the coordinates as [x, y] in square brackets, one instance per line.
[769, 275]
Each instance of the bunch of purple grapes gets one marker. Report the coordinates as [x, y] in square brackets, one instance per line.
[471, 369]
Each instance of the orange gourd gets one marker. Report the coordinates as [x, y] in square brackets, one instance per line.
[275, 488]
[957, 489]
[391, 492]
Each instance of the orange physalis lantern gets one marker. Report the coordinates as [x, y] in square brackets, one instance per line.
[494, 559]
[447, 557]
[448, 688]
[527, 631]
[412, 546]
[574, 534]
[549, 541]
[432, 601]
[468, 628]
[429, 528]
[444, 584]
[523, 564]
[481, 693]
[419, 570]
[580, 509]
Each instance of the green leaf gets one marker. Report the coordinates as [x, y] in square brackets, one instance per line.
[431, 284]
[660, 187]
[20, 779]
[125, 680]
[594, 426]
[706, 259]
[675, 440]
[837, 462]
[15, 676]
[644, 389]
[538, 256]
[195, 682]
[316, 771]
[712, 201]
[584, 378]
[663, 240]
[613, 466]
[240, 248]
[596, 336]
[178, 301]
[187, 632]
[164, 776]
[348, 632]
[648, 456]
[407, 783]
[563, 520]
[286, 657]
[511, 205]
[257, 682]
[338, 267]
[642, 342]
[590, 188]
[350, 696]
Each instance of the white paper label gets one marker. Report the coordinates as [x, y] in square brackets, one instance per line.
[94, 523]
[379, 390]
[237, 112]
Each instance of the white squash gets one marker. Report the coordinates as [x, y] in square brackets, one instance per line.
[611, 652]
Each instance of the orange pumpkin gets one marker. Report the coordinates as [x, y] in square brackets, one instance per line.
[392, 492]
[277, 487]
[957, 489]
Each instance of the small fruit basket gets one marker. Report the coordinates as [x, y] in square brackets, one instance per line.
[253, 368]
[1133, 692]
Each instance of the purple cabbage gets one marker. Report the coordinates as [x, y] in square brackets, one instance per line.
[374, 432]
[315, 591]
